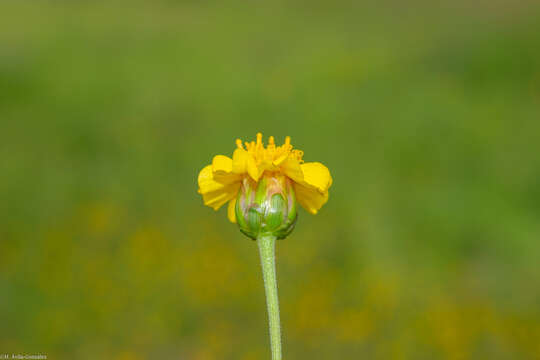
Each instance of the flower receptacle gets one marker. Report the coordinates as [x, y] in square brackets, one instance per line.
[266, 207]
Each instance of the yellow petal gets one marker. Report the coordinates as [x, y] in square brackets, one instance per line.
[239, 161]
[231, 210]
[316, 175]
[216, 199]
[206, 181]
[222, 163]
[216, 191]
[263, 166]
[252, 169]
[212, 181]
[310, 198]
[291, 168]
[222, 170]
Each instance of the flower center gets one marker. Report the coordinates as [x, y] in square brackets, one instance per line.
[271, 154]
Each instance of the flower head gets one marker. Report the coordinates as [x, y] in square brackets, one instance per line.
[280, 169]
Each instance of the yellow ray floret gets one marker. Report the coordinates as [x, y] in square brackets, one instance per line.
[220, 181]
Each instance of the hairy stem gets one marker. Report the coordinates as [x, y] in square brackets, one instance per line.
[268, 261]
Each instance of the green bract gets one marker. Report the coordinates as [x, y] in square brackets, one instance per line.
[266, 207]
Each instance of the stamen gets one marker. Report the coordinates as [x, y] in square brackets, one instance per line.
[259, 139]
[287, 141]
[298, 154]
[271, 140]
[239, 144]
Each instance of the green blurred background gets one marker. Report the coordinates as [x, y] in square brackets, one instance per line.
[426, 113]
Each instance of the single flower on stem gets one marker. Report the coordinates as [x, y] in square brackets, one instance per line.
[262, 186]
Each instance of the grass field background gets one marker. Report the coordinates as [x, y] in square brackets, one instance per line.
[428, 116]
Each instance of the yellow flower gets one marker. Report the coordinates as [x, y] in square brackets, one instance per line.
[220, 182]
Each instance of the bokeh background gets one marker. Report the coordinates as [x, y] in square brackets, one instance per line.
[427, 114]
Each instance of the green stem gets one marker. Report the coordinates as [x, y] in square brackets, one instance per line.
[268, 261]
